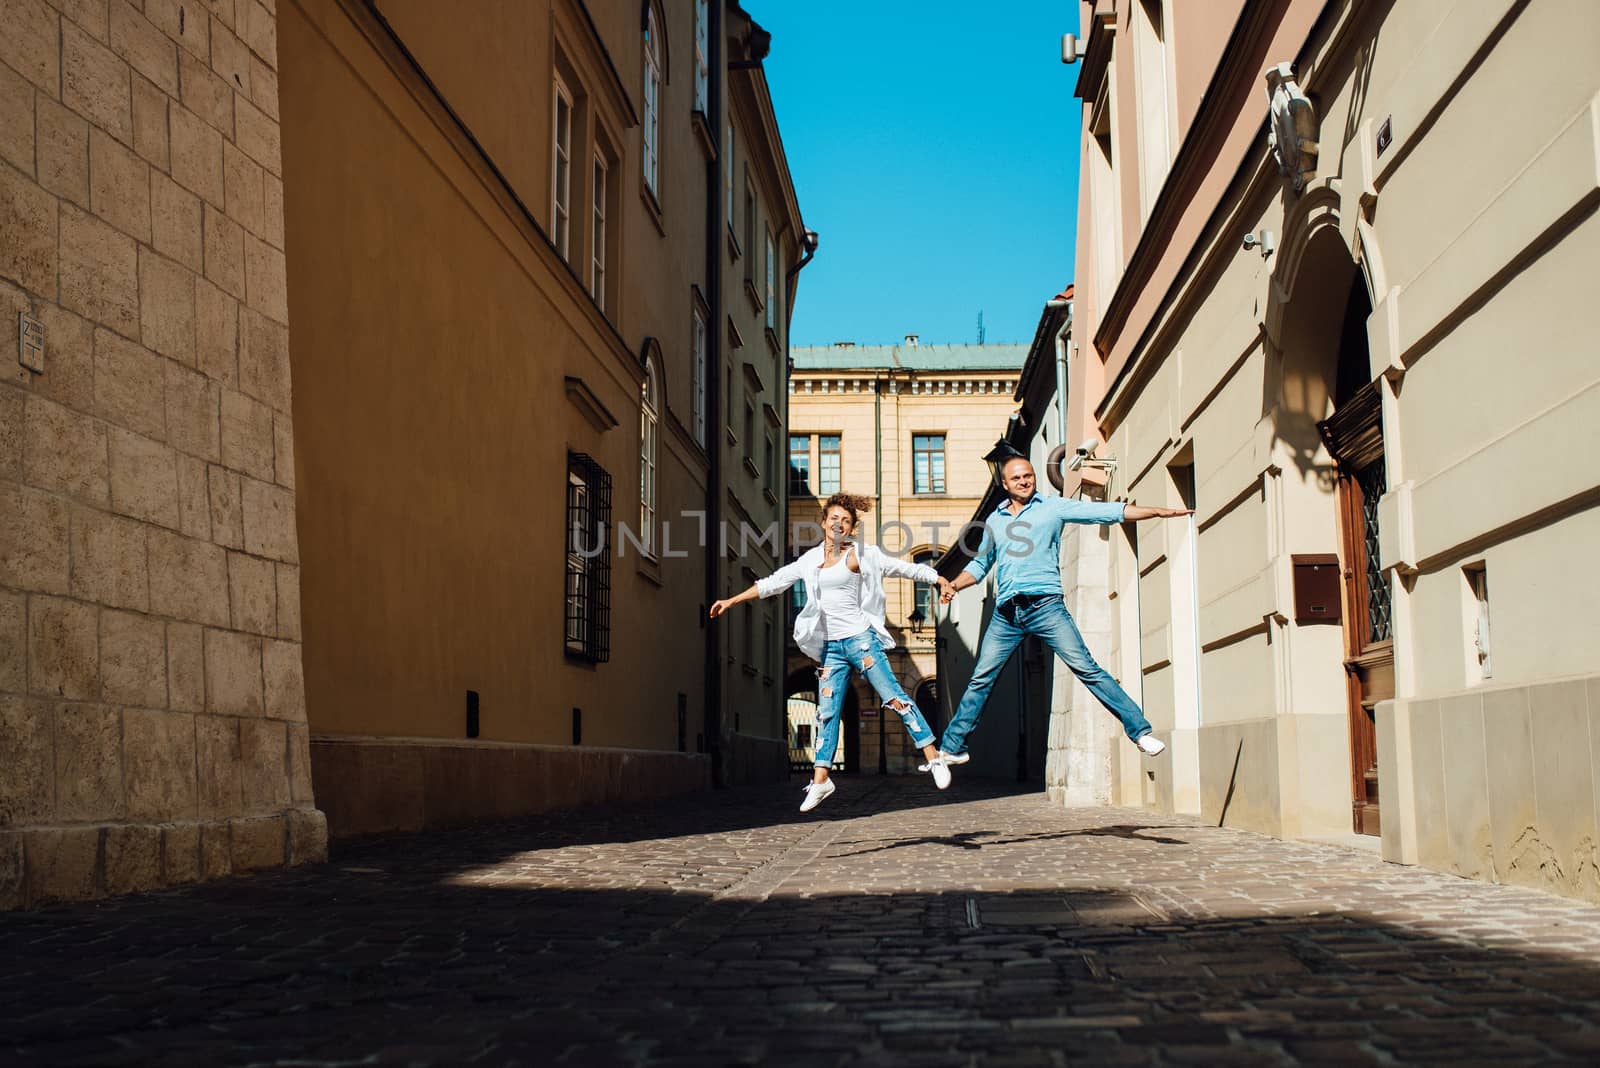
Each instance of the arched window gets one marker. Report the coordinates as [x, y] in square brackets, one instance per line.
[653, 77]
[649, 422]
[927, 597]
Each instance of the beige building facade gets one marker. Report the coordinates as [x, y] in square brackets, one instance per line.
[153, 725]
[906, 426]
[1333, 276]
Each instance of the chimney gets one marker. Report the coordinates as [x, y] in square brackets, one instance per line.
[911, 341]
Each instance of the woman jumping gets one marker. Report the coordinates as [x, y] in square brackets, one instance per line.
[842, 627]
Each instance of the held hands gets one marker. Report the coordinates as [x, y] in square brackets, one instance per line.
[947, 591]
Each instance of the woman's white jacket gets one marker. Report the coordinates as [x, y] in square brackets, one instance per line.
[875, 564]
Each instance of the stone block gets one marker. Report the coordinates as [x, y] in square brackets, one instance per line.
[27, 789]
[194, 503]
[133, 858]
[129, 385]
[189, 28]
[150, 123]
[308, 836]
[217, 333]
[269, 521]
[66, 452]
[16, 121]
[207, 95]
[1466, 786]
[283, 451]
[166, 307]
[299, 763]
[1513, 816]
[28, 228]
[13, 643]
[13, 404]
[258, 28]
[1564, 782]
[186, 667]
[146, 48]
[217, 760]
[180, 854]
[119, 186]
[63, 147]
[285, 680]
[216, 851]
[224, 241]
[90, 15]
[158, 764]
[258, 842]
[252, 594]
[63, 649]
[108, 560]
[196, 154]
[193, 412]
[274, 199]
[257, 134]
[227, 514]
[31, 45]
[99, 272]
[233, 673]
[263, 765]
[244, 183]
[247, 443]
[266, 279]
[144, 479]
[69, 366]
[264, 87]
[13, 887]
[34, 543]
[63, 864]
[221, 11]
[188, 579]
[175, 222]
[230, 58]
[88, 763]
[288, 602]
[95, 83]
[133, 659]
[264, 360]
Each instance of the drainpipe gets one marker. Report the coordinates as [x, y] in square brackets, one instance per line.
[1061, 369]
[715, 225]
[877, 536]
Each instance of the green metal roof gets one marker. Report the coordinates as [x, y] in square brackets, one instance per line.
[908, 357]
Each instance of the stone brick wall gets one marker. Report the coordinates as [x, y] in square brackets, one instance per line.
[152, 708]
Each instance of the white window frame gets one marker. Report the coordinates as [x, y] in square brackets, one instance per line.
[561, 170]
[698, 402]
[649, 424]
[650, 158]
[597, 257]
[702, 56]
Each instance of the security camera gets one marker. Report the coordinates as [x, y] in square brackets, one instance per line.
[1083, 451]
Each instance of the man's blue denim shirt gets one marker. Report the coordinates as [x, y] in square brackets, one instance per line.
[1025, 548]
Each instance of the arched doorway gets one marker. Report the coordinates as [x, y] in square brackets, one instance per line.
[927, 701]
[800, 702]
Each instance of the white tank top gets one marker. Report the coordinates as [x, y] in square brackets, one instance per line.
[840, 594]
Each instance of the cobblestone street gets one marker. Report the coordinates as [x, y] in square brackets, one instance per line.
[895, 926]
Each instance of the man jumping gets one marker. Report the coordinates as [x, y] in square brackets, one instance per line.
[1022, 543]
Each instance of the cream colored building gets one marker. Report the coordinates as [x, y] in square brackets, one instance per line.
[1335, 276]
[907, 426]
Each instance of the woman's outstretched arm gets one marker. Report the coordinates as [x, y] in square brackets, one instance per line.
[740, 598]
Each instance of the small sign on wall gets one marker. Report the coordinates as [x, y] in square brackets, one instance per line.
[30, 343]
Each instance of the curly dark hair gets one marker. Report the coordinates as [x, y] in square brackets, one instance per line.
[853, 503]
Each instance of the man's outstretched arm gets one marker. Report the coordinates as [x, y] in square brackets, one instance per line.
[1135, 512]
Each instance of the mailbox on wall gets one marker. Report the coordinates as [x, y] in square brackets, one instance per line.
[1318, 588]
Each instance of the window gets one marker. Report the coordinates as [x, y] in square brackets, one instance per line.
[727, 174]
[727, 398]
[588, 585]
[561, 178]
[927, 463]
[749, 236]
[827, 464]
[749, 430]
[597, 261]
[649, 421]
[768, 648]
[769, 469]
[926, 597]
[698, 403]
[797, 598]
[772, 305]
[652, 101]
[702, 60]
[1477, 576]
[1101, 164]
[799, 465]
[1150, 99]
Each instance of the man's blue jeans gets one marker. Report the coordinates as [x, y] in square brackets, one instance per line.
[862, 652]
[1050, 620]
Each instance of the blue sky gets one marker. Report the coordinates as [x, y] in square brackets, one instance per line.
[934, 147]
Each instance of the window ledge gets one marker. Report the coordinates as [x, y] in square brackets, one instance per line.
[748, 670]
[734, 251]
[652, 207]
[750, 466]
[772, 498]
[755, 297]
[773, 343]
[649, 569]
[733, 439]
[702, 129]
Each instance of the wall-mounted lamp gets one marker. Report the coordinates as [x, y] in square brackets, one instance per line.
[1071, 48]
[1262, 239]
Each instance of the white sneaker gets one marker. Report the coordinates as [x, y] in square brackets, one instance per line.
[1150, 745]
[816, 794]
[950, 759]
[941, 772]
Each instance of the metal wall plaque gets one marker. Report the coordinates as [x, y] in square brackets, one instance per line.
[30, 343]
